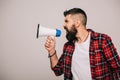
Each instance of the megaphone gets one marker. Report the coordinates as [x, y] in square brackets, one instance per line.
[43, 31]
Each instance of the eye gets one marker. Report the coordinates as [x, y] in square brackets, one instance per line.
[66, 21]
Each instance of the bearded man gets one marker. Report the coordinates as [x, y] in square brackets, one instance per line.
[87, 55]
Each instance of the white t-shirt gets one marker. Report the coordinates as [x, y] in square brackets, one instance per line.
[80, 61]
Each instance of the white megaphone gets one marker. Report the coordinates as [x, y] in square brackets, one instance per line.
[43, 31]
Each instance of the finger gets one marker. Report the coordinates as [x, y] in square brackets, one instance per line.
[47, 45]
[48, 39]
[51, 38]
[47, 42]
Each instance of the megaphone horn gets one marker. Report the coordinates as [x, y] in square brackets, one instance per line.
[43, 31]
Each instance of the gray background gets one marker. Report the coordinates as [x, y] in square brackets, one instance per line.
[22, 56]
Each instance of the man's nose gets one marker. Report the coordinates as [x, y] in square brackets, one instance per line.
[64, 24]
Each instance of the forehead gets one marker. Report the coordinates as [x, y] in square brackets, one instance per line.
[68, 16]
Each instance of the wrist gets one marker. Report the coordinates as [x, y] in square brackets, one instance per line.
[51, 51]
[52, 54]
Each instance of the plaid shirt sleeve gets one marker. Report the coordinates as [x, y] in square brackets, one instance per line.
[58, 69]
[64, 64]
[112, 56]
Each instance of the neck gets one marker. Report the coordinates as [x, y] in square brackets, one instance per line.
[82, 35]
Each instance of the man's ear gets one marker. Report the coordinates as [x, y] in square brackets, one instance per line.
[77, 23]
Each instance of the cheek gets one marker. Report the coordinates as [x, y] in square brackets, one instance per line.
[69, 26]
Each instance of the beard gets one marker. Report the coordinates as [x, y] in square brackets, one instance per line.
[71, 34]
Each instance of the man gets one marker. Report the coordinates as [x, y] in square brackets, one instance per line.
[87, 55]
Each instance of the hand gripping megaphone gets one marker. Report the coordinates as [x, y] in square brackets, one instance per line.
[43, 31]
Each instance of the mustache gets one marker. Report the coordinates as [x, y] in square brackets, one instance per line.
[66, 28]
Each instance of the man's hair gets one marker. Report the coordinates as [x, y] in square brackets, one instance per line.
[77, 11]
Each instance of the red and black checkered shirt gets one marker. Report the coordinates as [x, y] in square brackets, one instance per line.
[104, 59]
